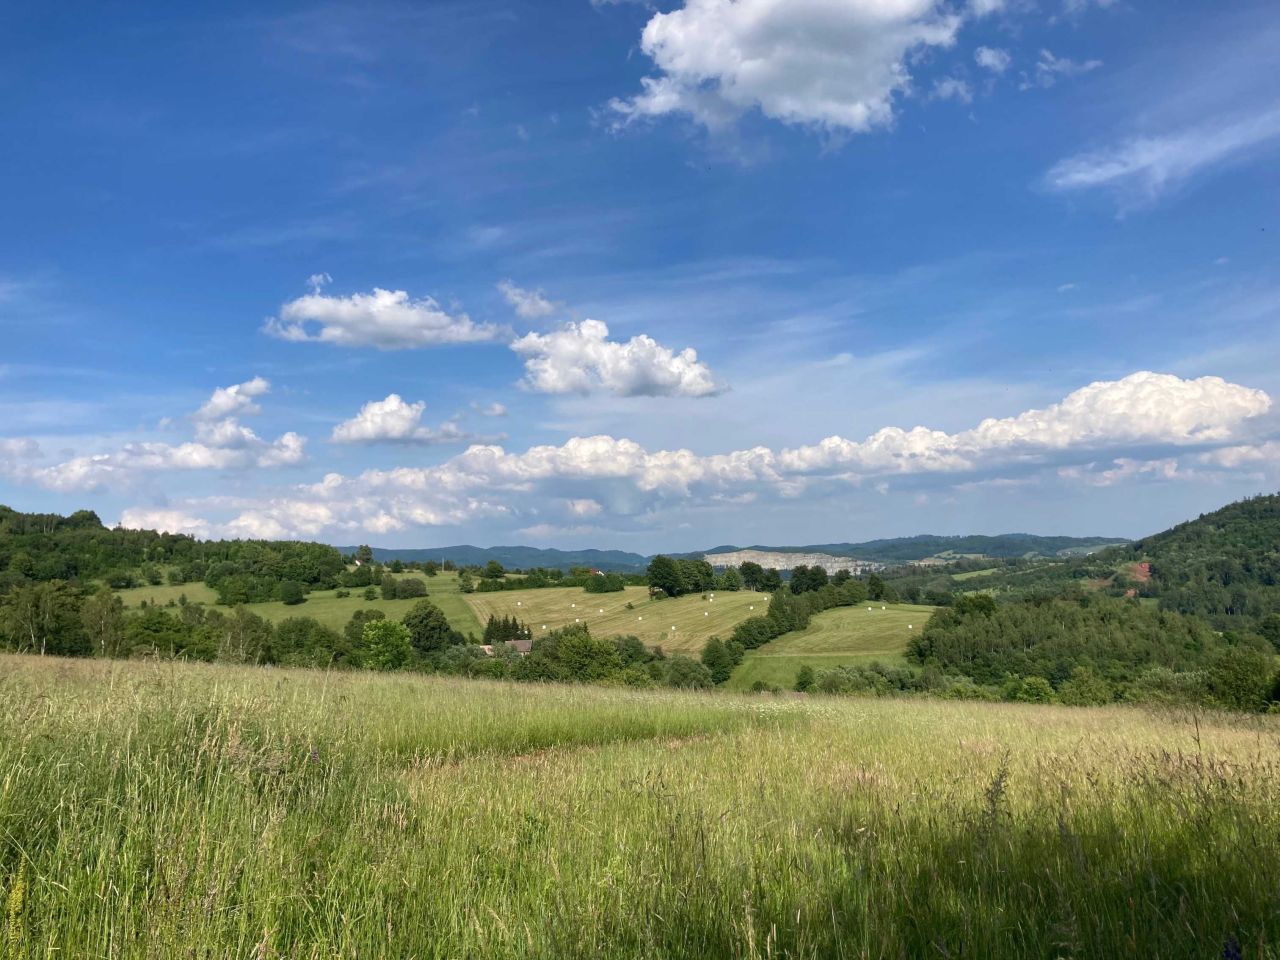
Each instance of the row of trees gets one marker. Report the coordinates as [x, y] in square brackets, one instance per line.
[56, 618]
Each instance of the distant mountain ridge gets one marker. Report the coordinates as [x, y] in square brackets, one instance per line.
[888, 551]
[516, 557]
[1000, 546]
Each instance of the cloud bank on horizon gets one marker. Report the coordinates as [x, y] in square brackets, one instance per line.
[1195, 426]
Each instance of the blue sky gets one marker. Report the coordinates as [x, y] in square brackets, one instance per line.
[647, 276]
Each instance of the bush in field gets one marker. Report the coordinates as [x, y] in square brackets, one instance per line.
[410, 588]
[292, 593]
[1086, 689]
[305, 642]
[1240, 678]
[718, 660]
[682, 671]
[387, 645]
[1032, 690]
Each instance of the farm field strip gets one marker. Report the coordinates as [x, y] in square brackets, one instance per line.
[606, 614]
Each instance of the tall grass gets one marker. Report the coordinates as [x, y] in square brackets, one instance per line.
[173, 811]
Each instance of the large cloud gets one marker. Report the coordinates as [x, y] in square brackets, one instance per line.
[386, 319]
[394, 421]
[1120, 422]
[580, 358]
[836, 64]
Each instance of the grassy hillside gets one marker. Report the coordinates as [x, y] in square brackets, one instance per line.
[322, 605]
[162, 594]
[836, 637]
[244, 813]
[335, 612]
[694, 619]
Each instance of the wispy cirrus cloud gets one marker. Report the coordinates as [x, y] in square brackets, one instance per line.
[528, 304]
[1140, 169]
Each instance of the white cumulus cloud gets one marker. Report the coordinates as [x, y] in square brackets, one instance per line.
[834, 64]
[235, 400]
[386, 319]
[580, 358]
[394, 421]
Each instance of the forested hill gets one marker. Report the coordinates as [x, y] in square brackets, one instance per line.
[1223, 565]
[910, 549]
[44, 546]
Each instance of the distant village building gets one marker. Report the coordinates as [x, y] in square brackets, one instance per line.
[780, 560]
[522, 647]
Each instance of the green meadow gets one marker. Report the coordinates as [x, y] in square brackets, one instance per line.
[168, 810]
[834, 638]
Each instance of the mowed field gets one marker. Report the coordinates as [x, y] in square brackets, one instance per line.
[834, 638]
[694, 619]
[170, 810]
[324, 606]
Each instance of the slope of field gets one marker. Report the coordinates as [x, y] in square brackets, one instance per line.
[836, 637]
[322, 605]
[607, 615]
[165, 593]
[336, 611]
[166, 810]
